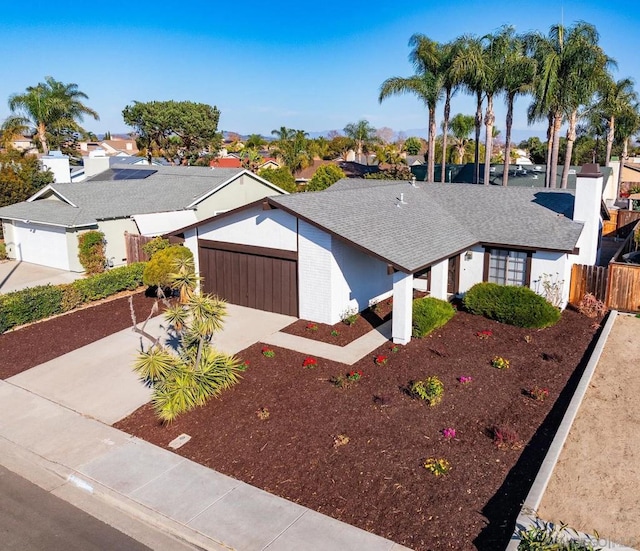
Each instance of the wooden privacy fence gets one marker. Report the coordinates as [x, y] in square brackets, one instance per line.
[134, 243]
[588, 279]
[626, 221]
[617, 285]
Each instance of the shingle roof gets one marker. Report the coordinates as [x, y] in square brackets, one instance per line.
[168, 189]
[437, 220]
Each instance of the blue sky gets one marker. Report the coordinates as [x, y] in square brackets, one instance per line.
[271, 64]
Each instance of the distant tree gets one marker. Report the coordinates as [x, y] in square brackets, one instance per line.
[107, 135]
[363, 136]
[52, 108]
[20, 176]
[385, 134]
[251, 159]
[180, 131]
[412, 145]
[461, 128]
[255, 141]
[319, 147]
[338, 146]
[280, 177]
[12, 128]
[535, 148]
[324, 177]
[292, 146]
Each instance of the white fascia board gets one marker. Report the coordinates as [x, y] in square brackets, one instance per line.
[42, 223]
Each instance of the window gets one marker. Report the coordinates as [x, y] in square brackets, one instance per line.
[507, 267]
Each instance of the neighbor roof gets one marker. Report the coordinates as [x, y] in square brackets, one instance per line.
[165, 189]
[414, 227]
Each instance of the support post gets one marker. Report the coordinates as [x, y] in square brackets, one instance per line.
[402, 307]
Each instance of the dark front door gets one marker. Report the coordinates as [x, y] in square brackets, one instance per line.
[453, 279]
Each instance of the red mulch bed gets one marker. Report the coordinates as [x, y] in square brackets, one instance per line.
[377, 480]
[39, 342]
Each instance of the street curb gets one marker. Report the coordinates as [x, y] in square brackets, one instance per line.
[527, 518]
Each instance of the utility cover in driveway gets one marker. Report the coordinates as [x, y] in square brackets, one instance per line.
[256, 277]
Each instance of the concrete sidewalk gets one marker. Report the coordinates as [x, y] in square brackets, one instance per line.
[16, 275]
[57, 416]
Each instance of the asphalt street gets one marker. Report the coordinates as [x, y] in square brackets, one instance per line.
[32, 519]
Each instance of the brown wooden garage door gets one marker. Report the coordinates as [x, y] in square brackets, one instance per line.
[257, 277]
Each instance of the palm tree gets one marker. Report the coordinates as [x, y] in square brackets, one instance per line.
[615, 98]
[628, 125]
[362, 134]
[51, 106]
[517, 74]
[563, 58]
[461, 127]
[293, 148]
[12, 128]
[468, 66]
[426, 84]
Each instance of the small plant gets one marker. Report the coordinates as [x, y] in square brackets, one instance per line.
[393, 348]
[243, 366]
[546, 536]
[375, 307]
[538, 394]
[350, 316]
[335, 333]
[430, 314]
[430, 390]
[505, 438]
[3, 251]
[309, 362]
[449, 433]
[311, 327]
[340, 440]
[500, 363]
[263, 414]
[268, 352]
[465, 380]
[591, 307]
[354, 376]
[528, 339]
[551, 288]
[484, 334]
[437, 466]
[380, 359]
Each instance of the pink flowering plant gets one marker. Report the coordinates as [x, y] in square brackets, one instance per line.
[538, 394]
[449, 433]
[465, 380]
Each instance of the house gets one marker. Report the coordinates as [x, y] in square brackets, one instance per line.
[113, 147]
[319, 255]
[23, 143]
[146, 200]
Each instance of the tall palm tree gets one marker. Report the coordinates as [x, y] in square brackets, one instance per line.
[517, 74]
[468, 66]
[615, 98]
[51, 106]
[292, 147]
[562, 57]
[426, 84]
[628, 125]
[363, 135]
[461, 127]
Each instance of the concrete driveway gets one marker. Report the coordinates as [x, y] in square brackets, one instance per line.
[97, 380]
[16, 275]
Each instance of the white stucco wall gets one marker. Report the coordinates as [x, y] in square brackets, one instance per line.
[357, 279]
[274, 228]
[113, 230]
[471, 270]
[315, 262]
[557, 268]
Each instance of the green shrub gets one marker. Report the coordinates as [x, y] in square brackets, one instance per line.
[324, 177]
[71, 297]
[429, 314]
[3, 251]
[28, 305]
[519, 306]
[164, 263]
[430, 390]
[280, 177]
[155, 245]
[91, 251]
[124, 278]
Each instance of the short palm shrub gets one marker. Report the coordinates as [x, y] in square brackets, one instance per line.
[519, 306]
[164, 263]
[429, 314]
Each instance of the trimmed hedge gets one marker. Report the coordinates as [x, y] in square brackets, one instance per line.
[519, 306]
[36, 303]
[429, 314]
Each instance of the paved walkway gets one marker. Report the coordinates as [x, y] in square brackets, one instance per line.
[16, 275]
[57, 416]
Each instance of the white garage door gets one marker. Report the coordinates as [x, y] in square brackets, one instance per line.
[39, 244]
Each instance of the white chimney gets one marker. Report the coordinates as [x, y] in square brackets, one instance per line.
[586, 209]
[58, 164]
[95, 163]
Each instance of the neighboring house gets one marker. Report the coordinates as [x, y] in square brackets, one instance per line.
[113, 147]
[319, 255]
[139, 200]
[225, 162]
[23, 143]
